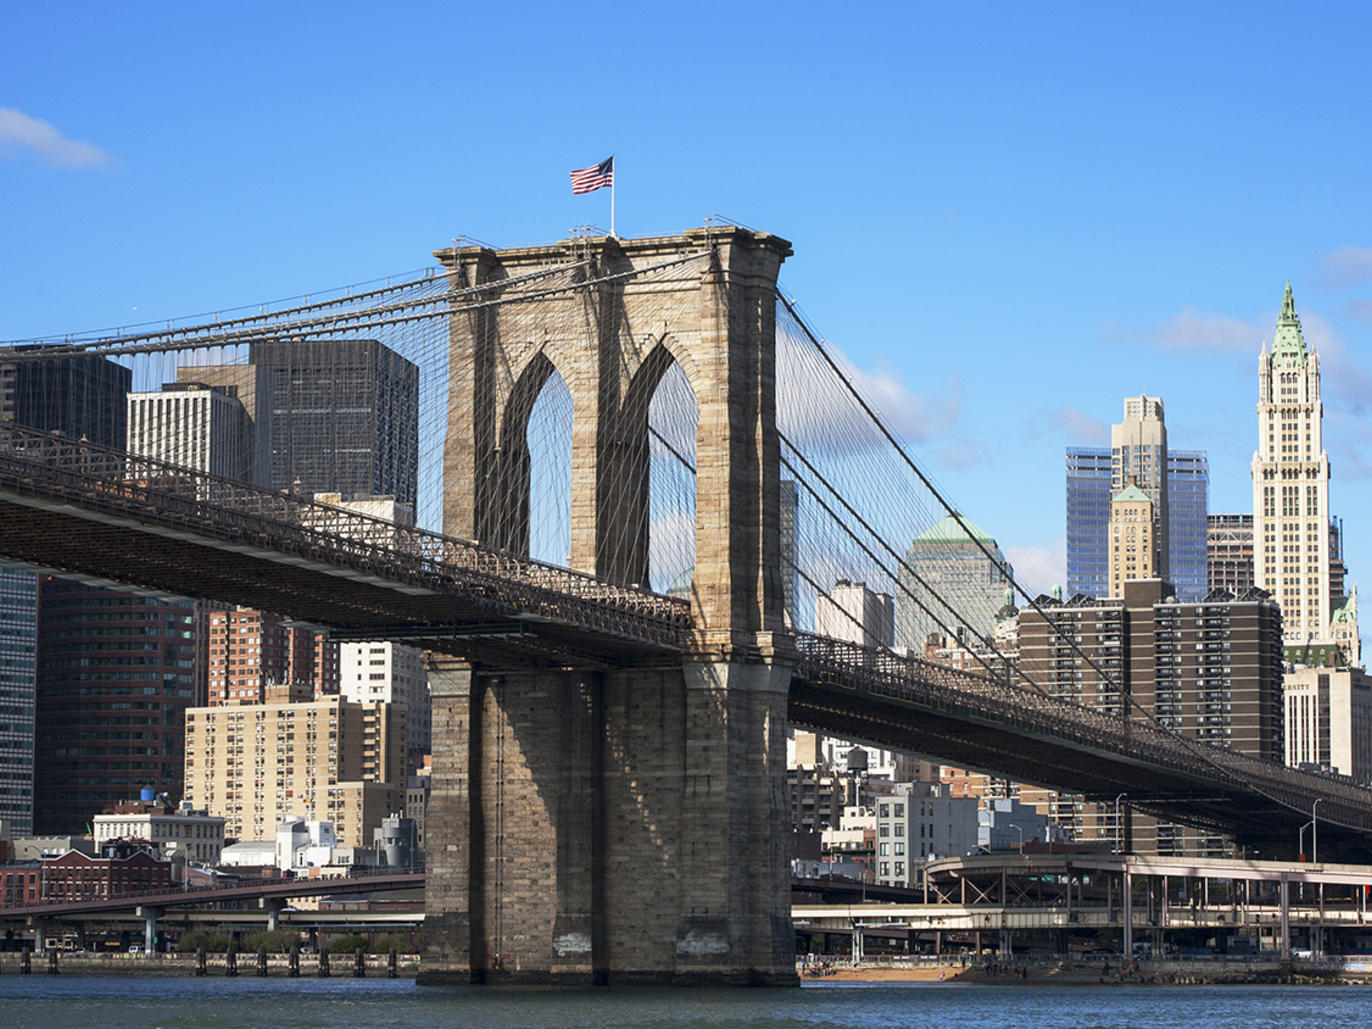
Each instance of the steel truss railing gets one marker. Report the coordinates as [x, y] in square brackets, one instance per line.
[100, 480]
[969, 696]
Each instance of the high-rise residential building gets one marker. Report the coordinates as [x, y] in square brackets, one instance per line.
[1210, 670]
[391, 673]
[18, 684]
[192, 425]
[1292, 557]
[116, 672]
[1229, 552]
[1329, 720]
[255, 656]
[328, 760]
[1176, 481]
[951, 569]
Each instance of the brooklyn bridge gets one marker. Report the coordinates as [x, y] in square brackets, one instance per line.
[639, 470]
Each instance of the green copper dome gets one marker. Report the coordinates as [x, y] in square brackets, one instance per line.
[947, 530]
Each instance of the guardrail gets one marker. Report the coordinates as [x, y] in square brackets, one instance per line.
[111, 482]
[978, 698]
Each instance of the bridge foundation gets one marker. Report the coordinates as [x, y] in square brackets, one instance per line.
[609, 827]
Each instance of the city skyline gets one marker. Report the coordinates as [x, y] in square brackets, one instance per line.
[1077, 209]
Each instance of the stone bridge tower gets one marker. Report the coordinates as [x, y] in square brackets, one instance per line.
[602, 823]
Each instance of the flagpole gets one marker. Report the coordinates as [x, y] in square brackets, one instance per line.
[612, 197]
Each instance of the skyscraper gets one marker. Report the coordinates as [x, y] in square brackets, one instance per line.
[947, 567]
[116, 672]
[192, 425]
[1291, 524]
[1138, 455]
[113, 670]
[1133, 549]
[1176, 481]
[18, 676]
[78, 396]
[1088, 517]
[344, 417]
[336, 416]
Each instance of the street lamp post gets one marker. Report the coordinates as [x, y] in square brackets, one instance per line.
[1314, 833]
[1019, 829]
[1301, 845]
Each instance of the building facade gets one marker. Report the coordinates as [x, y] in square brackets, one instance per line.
[121, 870]
[192, 425]
[1210, 670]
[18, 693]
[254, 655]
[1329, 720]
[115, 672]
[179, 831]
[78, 396]
[1229, 552]
[1134, 546]
[1290, 469]
[1176, 481]
[952, 584]
[390, 673]
[328, 760]
[918, 822]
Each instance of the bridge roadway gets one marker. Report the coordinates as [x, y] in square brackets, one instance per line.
[86, 511]
[1170, 899]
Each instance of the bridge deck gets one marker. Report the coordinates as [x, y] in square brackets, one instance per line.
[85, 510]
[76, 508]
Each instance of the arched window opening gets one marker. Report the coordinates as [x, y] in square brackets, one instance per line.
[549, 439]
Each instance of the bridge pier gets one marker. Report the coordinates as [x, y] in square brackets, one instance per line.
[149, 916]
[601, 827]
[273, 906]
[608, 821]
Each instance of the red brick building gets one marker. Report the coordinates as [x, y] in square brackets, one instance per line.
[252, 651]
[123, 871]
[20, 884]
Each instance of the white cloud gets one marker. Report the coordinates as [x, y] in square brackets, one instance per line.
[1080, 428]
[817, 413]
[1343, 377]
[1346, 266]
[20, 132]
[909, 415]
[1038, 569]
[1205, 330]
[963, 453]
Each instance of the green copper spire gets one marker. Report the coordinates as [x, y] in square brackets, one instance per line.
[1288, 340]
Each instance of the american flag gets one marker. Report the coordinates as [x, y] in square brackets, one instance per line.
[584, 180]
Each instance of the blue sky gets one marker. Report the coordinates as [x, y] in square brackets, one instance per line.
[1008, 216]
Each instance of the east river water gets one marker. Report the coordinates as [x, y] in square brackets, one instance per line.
[88, 1002]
